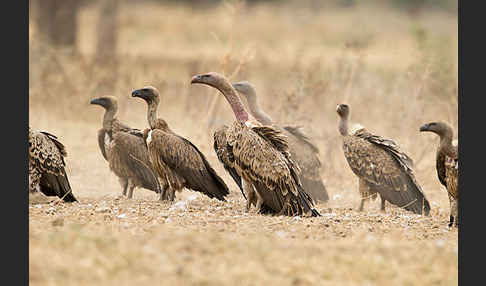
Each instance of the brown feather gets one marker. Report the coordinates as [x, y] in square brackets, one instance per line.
[262, 158]
[183, 165]
[386, 169]
[224, 154]
[124, 153]
[47, 166]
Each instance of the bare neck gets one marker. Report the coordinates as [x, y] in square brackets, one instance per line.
[152, 113]
[343, 126]
[232, 97]
[108, 118]
[445, 144]
[256, 111]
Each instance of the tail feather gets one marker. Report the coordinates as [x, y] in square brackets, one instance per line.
[52, 185]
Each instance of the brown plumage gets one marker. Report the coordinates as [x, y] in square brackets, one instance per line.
[381, 167]
[225, 156]
[447, 164]
[175, 158]
[47, 172]
[302, 150]
[260, 157]
[125, 150]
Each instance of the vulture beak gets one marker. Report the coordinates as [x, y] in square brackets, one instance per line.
[424, 127]
[196, 79]
[138, 93]
[96, 101]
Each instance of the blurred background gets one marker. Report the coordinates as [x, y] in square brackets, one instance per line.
[393, 61]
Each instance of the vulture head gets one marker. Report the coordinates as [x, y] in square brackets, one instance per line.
[439, 128]
[148, 93]
[221, 83]
[245, 88]
[108, 102]
[212, 79]
[342, 110]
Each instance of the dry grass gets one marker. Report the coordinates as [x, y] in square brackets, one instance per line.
[396, 72]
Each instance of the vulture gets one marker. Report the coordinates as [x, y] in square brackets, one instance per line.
[175, 158]
[47, 172]
[260, 156]
[381, 168]
[302, 150]
[447, 164]
[125, 150]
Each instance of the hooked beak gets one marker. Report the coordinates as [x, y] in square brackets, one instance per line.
[196, 79]
[424, 127]
[96, 101]
[138, 93]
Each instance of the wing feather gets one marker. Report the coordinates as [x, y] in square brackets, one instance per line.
[225, 155]
[387, 170]
[101, 142]
[186, 161]
[129, 158]
[262, 158]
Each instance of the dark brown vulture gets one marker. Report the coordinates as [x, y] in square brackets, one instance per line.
[381, 167]
[46, 166]
[260, 156]
[447, 164]
[175, 158]
[125, 150]
[302, 150]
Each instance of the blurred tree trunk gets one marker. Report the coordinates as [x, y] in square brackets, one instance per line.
[107, 30]
[106, 44]
[56, 21]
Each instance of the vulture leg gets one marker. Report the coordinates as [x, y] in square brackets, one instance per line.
[363, 191]
[382, 204]
[361, 205]
[250, 194]
[259, 202]
[454, 212]
[130, 190]
[124, 184]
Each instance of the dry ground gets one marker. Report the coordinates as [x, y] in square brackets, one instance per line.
[395, 71]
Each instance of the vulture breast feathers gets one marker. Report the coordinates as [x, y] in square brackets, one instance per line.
[183, 164]
[386, 169]
[104, 136]
[46, 159]
[261, 157]
[128, 158]
[225, 155]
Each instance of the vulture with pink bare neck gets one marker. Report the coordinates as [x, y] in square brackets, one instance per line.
[261, 157]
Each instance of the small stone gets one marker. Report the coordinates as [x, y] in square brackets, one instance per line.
[102, 209]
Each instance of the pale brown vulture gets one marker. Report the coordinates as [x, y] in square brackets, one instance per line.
[260, 156]
[381, 167]
[125, 150]
[47, 172]
[447, 164]
[175, 158]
